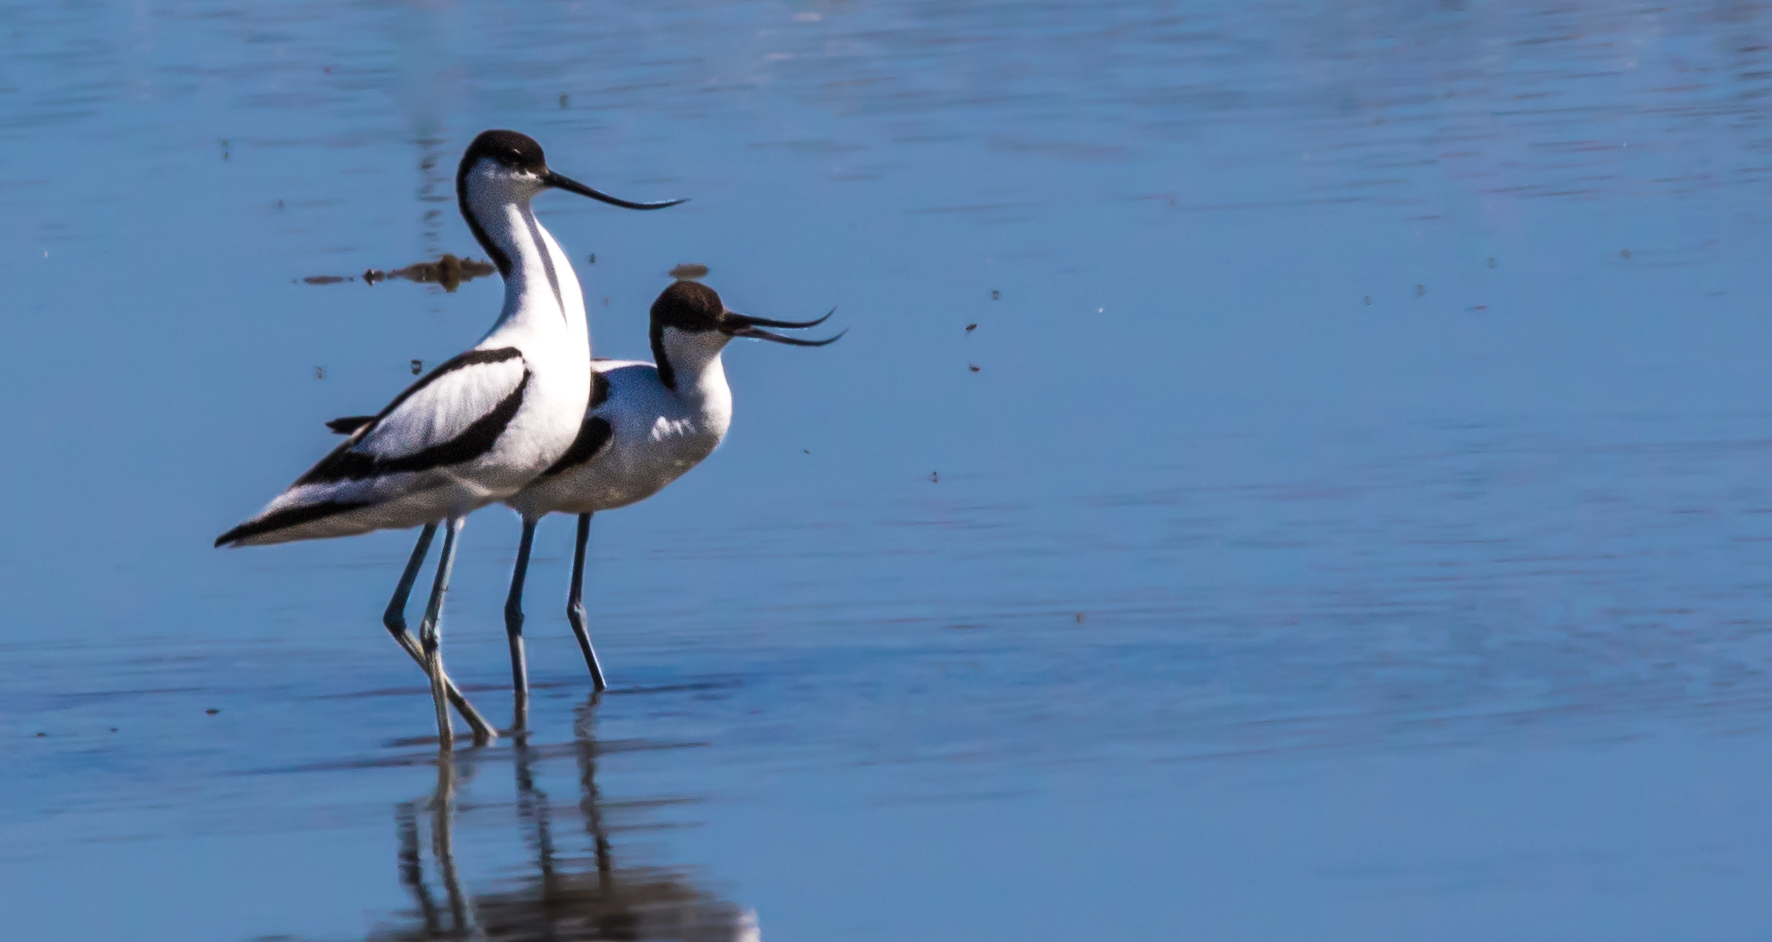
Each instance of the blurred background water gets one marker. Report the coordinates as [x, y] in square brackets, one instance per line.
[1355, 526]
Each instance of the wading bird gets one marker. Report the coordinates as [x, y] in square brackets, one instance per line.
[646, 425]
[477, 428]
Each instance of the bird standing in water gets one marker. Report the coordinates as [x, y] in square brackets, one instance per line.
[646, 425]
[474, 430]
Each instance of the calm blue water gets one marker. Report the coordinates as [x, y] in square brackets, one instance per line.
[1356, 527]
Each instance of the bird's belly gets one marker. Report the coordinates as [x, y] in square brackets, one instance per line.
[626, 476]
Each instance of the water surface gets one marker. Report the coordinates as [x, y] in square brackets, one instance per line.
[1347, 519]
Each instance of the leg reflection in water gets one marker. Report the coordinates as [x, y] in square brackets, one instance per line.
[563, 897]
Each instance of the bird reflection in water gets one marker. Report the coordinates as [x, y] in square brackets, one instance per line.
[566, 897]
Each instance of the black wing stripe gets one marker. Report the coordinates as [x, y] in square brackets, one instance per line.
[459, 361]
[592, 436]
[294, 516]
[475, 440]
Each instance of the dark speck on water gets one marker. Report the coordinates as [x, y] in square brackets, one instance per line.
[971, 327]
[996, 295]
[972, 366]
[418, 366]
[689, 272]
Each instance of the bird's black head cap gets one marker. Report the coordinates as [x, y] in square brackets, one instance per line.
[512, 149]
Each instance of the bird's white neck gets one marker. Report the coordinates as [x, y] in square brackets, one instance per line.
[541, 291]
[691, 361]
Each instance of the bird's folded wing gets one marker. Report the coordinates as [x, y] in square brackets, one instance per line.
[453, 415]
[595, 435]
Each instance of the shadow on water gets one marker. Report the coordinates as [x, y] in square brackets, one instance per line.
[564, 895]
[448, 271]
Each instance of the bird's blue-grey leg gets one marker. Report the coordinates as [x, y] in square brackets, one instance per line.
[430, 631]
[514, 629]
[575, 604]
[394, 619]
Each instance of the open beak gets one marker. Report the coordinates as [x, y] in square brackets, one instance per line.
[560, 182]
[740, 325]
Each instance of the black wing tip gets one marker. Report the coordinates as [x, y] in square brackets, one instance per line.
[284, 519]
[345, 425]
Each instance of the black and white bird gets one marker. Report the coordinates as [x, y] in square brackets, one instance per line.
[477, 428]
[645, 426]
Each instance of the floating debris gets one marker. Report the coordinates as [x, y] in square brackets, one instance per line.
[971, 327]
[593, 260]
[448, 271]
[972, 366]
[1368, 300]
[319, 372]
[418, 366]
[996, 295]
[1625, 254]
[689, 272]
[934, 477]
[563, 100]
[1491, 261]
[212, 711]
[1079, 618]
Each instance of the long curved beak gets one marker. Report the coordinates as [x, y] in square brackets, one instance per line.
[562, 182]
[766, 322]
[739, 325]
